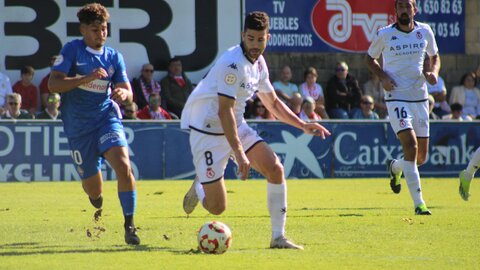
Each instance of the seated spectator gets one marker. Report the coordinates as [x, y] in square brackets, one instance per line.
[310, 88]
[130, 111]
[295, 103]
[283, 87]
[153, 110]
[477, 73]
[14, 102]
[5, 89]
[260, 112]
[308, 110]
[467, 95]
[373, 87]
[431, 114]
[43, 87]
[439, 93]
[366, 109]
[51, 111]
[343, 93]
[144, 86]
[457, 113]
[176, 87]
[27, 90]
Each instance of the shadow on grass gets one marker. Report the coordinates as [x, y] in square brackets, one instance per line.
[34, 248]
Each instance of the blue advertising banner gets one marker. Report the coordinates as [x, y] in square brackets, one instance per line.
[38, 151]
[349, 25]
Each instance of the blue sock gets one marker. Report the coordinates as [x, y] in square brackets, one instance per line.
[128, 200]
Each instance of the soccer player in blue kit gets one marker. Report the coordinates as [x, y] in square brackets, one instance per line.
[92, 79]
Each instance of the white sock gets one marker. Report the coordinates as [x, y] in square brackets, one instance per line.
[473, 165]
[412, 177]
[200, 192]
[397, 166]
[277, 207]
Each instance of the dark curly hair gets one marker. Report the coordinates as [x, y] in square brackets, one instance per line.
[256, 20]
[91, 13]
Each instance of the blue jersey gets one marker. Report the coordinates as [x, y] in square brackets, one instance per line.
[88, 106]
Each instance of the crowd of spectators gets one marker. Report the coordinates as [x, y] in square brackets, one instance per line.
[344, 96]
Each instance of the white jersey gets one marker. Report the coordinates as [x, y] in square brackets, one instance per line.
[403, 55]
[232, 76]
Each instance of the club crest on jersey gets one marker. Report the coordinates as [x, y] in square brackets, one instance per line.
[58, 60]
[80, 171]
[230, 79]
[111, 71]
[402, 123]
[419, 35]
[210, 173]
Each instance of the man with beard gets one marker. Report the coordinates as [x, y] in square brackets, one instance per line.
[405, 46]
[214, 113]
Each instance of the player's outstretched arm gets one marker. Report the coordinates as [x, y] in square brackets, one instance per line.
[284, 114]
[60, 83]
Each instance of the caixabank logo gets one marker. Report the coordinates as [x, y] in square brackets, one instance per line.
[350, 25]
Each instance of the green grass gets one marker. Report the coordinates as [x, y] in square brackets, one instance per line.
[343, 224]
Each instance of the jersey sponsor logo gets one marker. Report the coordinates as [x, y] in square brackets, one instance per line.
[394, 38]
[97, 86]
[350, 25]
[210, 173]
[230, 79]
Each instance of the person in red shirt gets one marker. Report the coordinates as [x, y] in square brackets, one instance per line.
[27, 90]
[153, 110]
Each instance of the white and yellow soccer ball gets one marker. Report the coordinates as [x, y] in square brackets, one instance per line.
[214, 237]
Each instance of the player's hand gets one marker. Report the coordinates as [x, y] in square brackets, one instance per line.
[119, 95]
[431, 77]
[98, 73]
[243, 165]
[388, 84]
[316, 129]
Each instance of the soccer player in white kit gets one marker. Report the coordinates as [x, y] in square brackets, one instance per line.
[404, 46]
[214, 114]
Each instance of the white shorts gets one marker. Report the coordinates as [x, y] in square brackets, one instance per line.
[211, 152]
[409, 115]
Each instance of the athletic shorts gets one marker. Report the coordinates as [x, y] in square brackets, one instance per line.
[409, 115]
[87, 151]
[211, 152]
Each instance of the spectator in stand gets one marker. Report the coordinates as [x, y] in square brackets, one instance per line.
[373, 87]
[457, 113]
[51, 111]
[260, 112]
[153, 110]
[477, 73]
[43, 87]
[283, 87]
[144, 86]
[310, 88]
[467, 95]
[14, 102]
[130, 111]
[308, 110]
[176, 87]
[343, 93]
[295, 103]
[431, 114]
[366, 109]
[5, 89]
[27, 90]
[439, 93]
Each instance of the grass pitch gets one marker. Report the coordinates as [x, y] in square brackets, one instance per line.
[343, 224]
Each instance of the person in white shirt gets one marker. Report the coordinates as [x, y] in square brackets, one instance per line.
[5, 89]
[214, 114]
[404, 46]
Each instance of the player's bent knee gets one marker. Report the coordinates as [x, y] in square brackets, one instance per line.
[217, 209]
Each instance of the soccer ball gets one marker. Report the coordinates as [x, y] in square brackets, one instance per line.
[214, 237]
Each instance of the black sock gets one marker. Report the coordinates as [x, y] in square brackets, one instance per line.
[128, 222]
[97, 203]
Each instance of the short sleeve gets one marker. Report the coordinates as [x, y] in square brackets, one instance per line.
[120, 75]
[65, 59]
[432, 48]
[377, 46]
[264, 85]
[228, 79]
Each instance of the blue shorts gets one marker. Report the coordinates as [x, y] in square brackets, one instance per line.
[87, 150]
